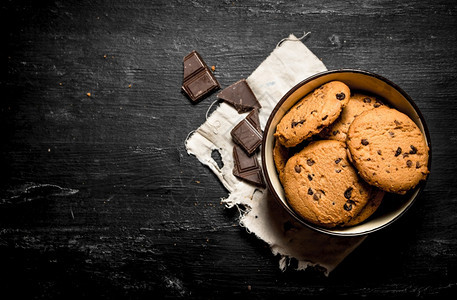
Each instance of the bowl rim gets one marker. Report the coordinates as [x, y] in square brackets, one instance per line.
[270, 187]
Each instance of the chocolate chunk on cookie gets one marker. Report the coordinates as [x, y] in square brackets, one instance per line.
[313, 113]
[335, 195]
[395, 157]
[374, 202]
[358, 103]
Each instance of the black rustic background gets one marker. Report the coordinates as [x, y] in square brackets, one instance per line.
[98, 196]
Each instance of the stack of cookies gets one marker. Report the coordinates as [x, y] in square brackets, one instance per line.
[338, 152]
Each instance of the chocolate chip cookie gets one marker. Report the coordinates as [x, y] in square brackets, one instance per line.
[323, 187]
[388, 150]
[313, 113]
[375, 201]
[280, 157]
[358, 103]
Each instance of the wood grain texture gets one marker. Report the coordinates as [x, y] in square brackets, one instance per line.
[98, 196]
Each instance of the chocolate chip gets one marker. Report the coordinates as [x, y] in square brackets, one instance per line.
[413, 150]
[317, 196]
[320, 126]
[337, 171]
[398, 152]
[391, 134]
[347, 206]
[405, 155]
[348, 193]
[418, 165]
[340, 96]
[377, 104]
[310, 162]
[298, 123]
[364, 142]
[312, 112]
[337, 161]
[297, 169]
[368, 159]
[409, 163]
[379, 152]
[335, 132]
[310, 191]
[324, 118]
[310, 177]
[367, 100]
[397, 123]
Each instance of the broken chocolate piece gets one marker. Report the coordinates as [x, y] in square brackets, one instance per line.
[198, 80]
[247, 133]
[253, 118]
[240, 96]
[247, 167]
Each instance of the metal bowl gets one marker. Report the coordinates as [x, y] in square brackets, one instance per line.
[393, 206]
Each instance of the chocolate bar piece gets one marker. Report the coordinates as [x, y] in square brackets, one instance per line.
[247, 133]
[198, 81]
[240, 96]
[247, 167]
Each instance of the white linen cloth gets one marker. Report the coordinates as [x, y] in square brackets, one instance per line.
[288, 64]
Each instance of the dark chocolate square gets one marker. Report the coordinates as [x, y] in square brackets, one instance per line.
[198, 80]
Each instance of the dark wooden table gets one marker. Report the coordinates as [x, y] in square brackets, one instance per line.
[98, 196]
